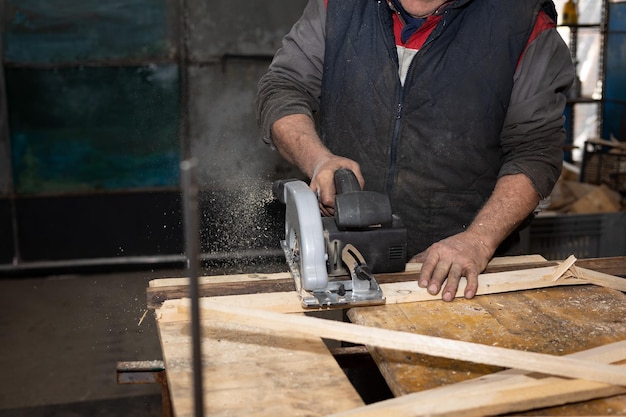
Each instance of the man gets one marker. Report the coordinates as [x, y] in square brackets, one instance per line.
[453, 108]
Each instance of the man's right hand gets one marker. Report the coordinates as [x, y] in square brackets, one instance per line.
[323, 180]
[296, 139]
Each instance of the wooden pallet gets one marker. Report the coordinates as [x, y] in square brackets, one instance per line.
[252, 368]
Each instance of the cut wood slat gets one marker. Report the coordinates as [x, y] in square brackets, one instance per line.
[499, 262]
[563, 268]
[219, 279]
[409, 291]
[600, 279]
[500, 393]
[429, 345]
[163, 289]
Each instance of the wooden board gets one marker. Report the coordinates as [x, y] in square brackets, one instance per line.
[409, 291]
[210, 286]
[250, 374]
[501, 393]
[553, 320]
[292, 325]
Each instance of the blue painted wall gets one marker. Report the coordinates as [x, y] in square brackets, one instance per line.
[615, 106]
[99, 128]
[62, 31]
[94, 95]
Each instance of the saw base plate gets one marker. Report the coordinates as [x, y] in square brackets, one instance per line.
[339, 292]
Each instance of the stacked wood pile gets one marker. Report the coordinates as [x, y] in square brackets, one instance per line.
[570, 195]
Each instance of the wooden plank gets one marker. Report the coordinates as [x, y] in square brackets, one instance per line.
[601, 279]
[409, 291]
[281, 324]
[506, 261]
[500, 393]
[219, 279]
[615, 265]
[163, 289]
[251, 374]
[499, 262]
[158, 294]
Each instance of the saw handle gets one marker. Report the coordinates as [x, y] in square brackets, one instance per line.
[358, 209]
[345, 181]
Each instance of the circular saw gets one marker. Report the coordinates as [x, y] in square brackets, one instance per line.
[333, 260]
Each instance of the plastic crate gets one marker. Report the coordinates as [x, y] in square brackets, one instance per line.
[604, 164]
[582, 235]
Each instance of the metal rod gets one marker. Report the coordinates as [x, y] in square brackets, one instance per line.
[5, 138]
[192, 243]
[147, 260]
[183, 69]
[604, 33]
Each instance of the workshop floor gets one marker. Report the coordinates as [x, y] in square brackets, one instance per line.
[61, 337]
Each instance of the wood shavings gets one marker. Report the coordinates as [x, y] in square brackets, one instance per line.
[142, 317]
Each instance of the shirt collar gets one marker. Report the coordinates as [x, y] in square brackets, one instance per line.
[411, 24]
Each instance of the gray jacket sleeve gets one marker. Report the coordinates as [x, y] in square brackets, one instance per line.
[533, 134]
[293, 82]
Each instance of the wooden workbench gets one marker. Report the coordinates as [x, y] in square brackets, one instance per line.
[253, 373]
[557, 321]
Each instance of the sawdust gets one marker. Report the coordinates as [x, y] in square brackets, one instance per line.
[241, 228]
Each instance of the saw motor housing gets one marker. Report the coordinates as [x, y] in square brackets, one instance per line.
[384, 248]
[363, 219]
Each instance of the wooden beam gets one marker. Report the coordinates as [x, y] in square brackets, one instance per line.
[409, 291]
[599, 278]
[501, 393]
[163, 289]
[156, 295]
[288, 325]
[223, 285]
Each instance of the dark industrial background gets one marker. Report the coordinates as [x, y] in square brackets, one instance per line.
[99, 103]
[102, 100]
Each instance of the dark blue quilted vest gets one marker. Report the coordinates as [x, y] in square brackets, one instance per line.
[433, 144]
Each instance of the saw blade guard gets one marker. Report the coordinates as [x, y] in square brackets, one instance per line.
[304, 234]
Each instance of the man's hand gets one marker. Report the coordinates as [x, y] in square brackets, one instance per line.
[296, 140]
[462, 255]
[323, 180]
[468, 253]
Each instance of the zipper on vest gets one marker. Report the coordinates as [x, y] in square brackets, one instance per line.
[393, 151]
[393, 147]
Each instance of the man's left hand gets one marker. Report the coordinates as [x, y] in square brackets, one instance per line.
[461, 255]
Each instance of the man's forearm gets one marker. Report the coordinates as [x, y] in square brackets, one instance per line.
[512, 200]
[297, 141]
